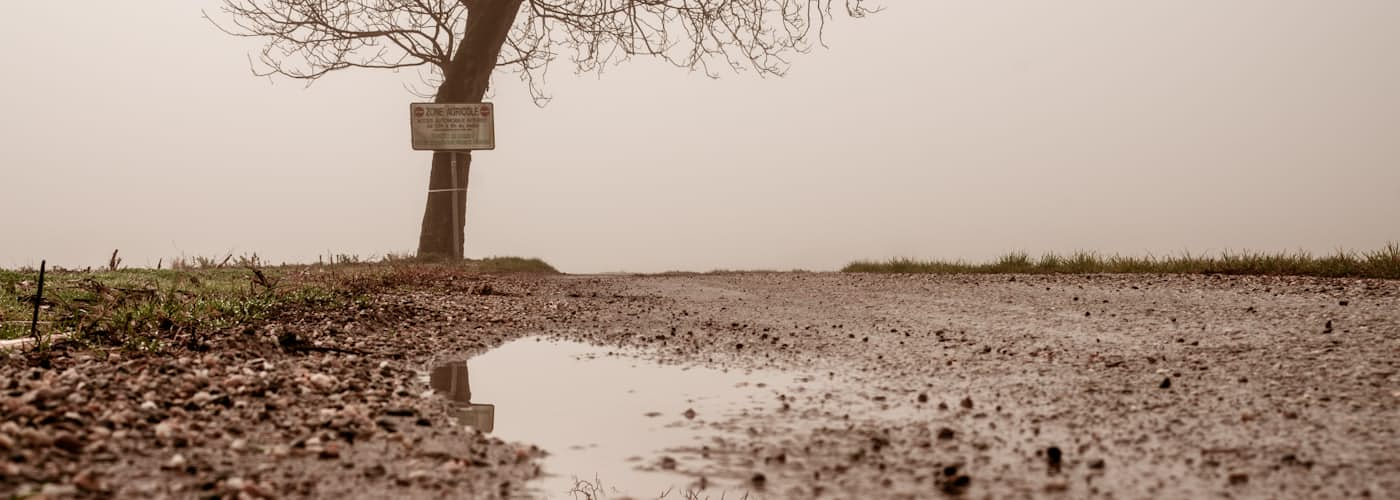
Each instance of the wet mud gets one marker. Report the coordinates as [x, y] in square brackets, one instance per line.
[901, 387]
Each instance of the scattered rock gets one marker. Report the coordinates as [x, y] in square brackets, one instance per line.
[166, 429]
[87, 481]
[176, 462]
[667, 463]
[322, 381]
[1054, 458]
[1166, 383]
[945, 434]
[68, 443]
[1239, 478]
[967, 402]
[956, 484]
[689, 414]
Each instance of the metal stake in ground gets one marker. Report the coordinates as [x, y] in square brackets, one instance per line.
[38, 299]
[457, 227]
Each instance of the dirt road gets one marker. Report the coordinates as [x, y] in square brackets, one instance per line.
[979, 386]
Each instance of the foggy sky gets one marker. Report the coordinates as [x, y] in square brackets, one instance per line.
[936, 129]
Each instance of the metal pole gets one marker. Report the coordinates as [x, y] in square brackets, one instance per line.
[38, 299]
[456, 210]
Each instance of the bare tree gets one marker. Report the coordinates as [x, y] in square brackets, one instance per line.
[459, 44]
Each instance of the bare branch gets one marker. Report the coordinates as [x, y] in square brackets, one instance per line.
[308, 39]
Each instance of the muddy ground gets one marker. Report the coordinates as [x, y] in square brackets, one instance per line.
[990, 386]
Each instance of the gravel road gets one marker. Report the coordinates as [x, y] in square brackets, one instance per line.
[991, 386]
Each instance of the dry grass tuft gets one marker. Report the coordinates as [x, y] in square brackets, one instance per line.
[1383, 263]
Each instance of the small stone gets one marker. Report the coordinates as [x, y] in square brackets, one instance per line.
[87, 481]
[54, 490]
[235, 483]
[758, 480]
[1328, 327]
[330, 451]
[668, 463]
[165, 429]
[1097, 463]
[945, 434]
[689, 414]
[68, 443]
[1342, 303]
[253, 490]
[1239, 478]
[201, 397]
[1054, 457]
[1166, 383]
[967, 402]
[322, 381]
[957, 485]
[238, 445]
[176, 462]
[923, 398]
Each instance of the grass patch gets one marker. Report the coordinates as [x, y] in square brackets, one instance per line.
[510, 265]
[147, 308]
[141, 307]
[1383, 263]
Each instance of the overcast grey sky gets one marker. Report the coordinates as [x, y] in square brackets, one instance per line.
[948, 129]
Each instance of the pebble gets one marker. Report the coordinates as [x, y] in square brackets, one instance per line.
[53, 490]
[87, 481]
[323, 382]
[176, 462]
[166, 429]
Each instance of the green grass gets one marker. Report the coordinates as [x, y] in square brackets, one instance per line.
[147, 308]
[139, 307]
[1383, 263]
[510, 265]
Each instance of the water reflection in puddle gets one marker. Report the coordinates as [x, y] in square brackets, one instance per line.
[603, 415]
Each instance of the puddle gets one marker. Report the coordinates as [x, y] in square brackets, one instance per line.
[604, 415]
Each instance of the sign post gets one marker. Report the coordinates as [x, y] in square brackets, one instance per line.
[453, 128]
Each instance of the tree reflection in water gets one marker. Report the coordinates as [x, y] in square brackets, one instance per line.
[450, 380]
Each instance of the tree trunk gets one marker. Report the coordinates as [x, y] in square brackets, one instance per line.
[464, 81]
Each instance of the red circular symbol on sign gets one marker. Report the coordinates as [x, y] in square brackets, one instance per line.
[418, 112]
[485, 111]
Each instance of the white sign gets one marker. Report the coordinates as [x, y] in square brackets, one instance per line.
[452, 127]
